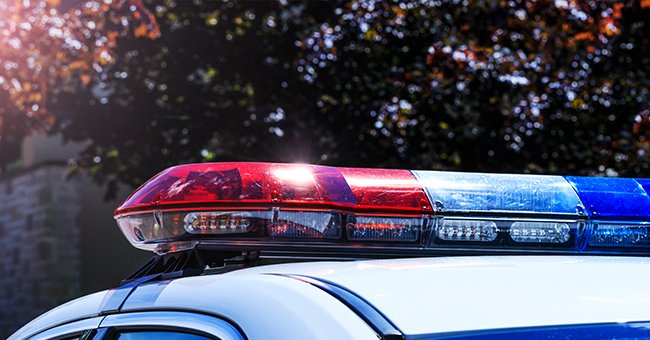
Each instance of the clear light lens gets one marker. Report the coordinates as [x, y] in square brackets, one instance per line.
[467, 230]
[465, 192]
[540, 232]
[172, 247]
[304, 224]
[150, 230]
[620, 235]
[218, 222]
[375, 228]
[145, 228]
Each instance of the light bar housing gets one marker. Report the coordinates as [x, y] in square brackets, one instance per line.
[619, 210]
[310, 210]
[504, 212]
[253, 206]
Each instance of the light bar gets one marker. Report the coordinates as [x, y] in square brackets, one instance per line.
[268, 185]
[504, 211]
[380, 189]
[264, 204]
[540, 232]
[217, 222]
[500, 193]
[306, 224]
[620, 235]
[619, 209]
[373, 228]
[612, 198]
[467, 230]
[310, 209]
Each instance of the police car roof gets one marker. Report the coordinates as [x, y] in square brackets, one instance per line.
[420, 296]
[199, 215]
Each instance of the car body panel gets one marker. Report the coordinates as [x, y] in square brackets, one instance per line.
[453, 294]
[263, 306]
[420, 296]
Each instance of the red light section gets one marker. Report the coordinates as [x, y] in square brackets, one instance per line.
[228, 185]
[383, 189]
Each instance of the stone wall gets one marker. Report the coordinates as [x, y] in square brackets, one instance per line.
[40, 242]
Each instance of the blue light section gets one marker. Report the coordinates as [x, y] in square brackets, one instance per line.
[620, 235]
[612, 198]
[645, 183]
[500, 193]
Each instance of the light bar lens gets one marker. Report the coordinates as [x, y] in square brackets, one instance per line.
[222, 222]
[392, 229]
[305, 224]
[620, 235]
[612, 198]
[266, 184]
[274, 207]
[540, 232]
[145, 228]
[480, 192]
[385, 190]
[467, 230]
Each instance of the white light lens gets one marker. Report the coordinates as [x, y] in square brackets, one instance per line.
[377, 228]
[304, 224]
[145, 228]
[218, 222]
[467, 230]
[540, 232]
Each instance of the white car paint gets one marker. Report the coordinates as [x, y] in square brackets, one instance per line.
[420, 296]
[451, 294]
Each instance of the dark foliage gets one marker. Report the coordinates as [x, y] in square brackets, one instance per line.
[506, 86]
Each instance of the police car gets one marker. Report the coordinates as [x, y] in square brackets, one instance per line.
[373, 254]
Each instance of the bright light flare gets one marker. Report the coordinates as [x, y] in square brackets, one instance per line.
[300, 174]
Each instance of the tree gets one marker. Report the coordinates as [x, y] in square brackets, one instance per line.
[542, 87]
[45, 52]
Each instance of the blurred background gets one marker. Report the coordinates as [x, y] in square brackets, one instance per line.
[98, 96]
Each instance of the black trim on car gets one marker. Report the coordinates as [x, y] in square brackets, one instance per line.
[601, 330]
